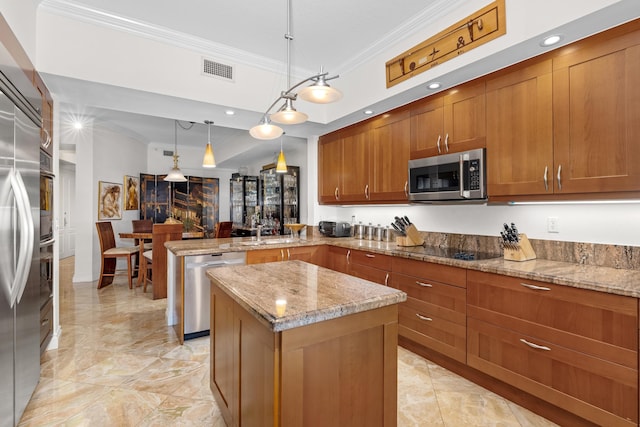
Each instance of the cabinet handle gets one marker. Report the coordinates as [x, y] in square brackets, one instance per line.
[421, 317]
[366, 191]
[438, 143]
[446, 143]
[348, 255]
[44, 322]
[546, 182]
[424, 285]
[406, 184]
[535, 288]
[386, 280]
[336, 194]
[536, 346]
[370, 255]
[282, 254]
[559, 180]
[288, 254]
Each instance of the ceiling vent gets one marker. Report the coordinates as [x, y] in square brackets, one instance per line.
[216, 69]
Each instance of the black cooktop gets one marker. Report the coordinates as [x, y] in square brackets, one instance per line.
[450, 253]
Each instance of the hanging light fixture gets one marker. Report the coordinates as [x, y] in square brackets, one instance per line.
[208, 161]
[281, 166]
[175, 175]
[319, 92]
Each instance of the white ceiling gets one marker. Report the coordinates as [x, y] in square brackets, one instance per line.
[335, 34]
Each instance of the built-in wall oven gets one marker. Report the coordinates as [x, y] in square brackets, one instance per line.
[449, 177]
[46, 227]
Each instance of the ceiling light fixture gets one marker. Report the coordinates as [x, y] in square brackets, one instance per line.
[434, 85]
[281, 166]
[319, 92]
[551, 40]
[208, 161]
[175, 175]
[368, 112]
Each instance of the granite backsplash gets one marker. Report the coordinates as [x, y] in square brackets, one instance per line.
[615, 256]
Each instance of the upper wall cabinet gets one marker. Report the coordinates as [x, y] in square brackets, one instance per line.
[330, 168]
[596, 111]
[390, 157]
[520, 131]
[449, 123]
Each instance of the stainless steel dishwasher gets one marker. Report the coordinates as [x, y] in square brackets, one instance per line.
[197, 289]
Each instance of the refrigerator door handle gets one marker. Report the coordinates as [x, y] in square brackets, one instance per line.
[25, 227]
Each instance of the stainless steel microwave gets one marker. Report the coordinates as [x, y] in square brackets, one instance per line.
[448, 177]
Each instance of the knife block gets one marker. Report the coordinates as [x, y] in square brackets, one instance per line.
[413, 237]
[521, 251]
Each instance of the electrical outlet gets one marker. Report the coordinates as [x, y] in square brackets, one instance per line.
[553, 225]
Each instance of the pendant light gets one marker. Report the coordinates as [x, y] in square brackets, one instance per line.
[319, 92]
[209, 161]
[175, 175]
[281, 166]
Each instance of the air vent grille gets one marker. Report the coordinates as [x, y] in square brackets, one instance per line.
[167, 153]
[217, 69]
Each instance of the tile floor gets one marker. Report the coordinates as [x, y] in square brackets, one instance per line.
[118, 365]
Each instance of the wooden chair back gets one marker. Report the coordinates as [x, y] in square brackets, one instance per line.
[142, 225]
[105, 233]
[162, 233]
[223, 229]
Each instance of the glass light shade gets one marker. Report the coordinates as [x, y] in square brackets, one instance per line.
[175, 175]
[281, 166]
[209, 161]
[265, 130]
[320, 93]
[288, 115]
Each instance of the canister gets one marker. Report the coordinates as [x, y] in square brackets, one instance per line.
[370, 232]
[379, 233]
[358, 231]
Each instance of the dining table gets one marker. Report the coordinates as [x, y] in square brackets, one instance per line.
[140, 237]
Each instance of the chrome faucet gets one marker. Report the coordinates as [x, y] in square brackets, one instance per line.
[258, 232]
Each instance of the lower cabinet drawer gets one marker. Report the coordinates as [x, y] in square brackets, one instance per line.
[375, 275]
[602, 392]
[426, 324]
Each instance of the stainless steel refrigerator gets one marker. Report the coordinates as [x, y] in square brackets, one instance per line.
[19, 241]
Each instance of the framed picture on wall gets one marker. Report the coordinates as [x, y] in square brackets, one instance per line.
[109, 200]
[131, 193]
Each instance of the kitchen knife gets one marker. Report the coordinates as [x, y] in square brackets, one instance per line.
[393, 224]
[406, 219]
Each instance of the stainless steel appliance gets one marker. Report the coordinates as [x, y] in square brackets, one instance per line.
[196, 289]
[335, 229]
[20, 124]
[457, 176]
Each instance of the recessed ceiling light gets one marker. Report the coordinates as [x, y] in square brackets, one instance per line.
[368, 112]
[551, 40]
[229, 112]
[434, 85]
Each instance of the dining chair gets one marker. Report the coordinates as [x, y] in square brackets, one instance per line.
[143, 226]
[110, 254]
[223, 229]
[158, 257]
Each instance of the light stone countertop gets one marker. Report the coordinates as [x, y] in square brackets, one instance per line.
[604, 279]
[289, 294]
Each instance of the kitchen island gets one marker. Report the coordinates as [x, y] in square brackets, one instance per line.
[296, 344]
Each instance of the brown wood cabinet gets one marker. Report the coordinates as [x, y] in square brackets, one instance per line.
[303, 253]
[520, 131]
[330, 158]
[434, 314]
[335, 372]
[370, 266]
[337, 259]
[449, 123]
[596, 105]
[574, 348]
[390, 157]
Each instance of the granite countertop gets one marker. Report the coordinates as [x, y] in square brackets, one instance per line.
[604, 279]
[290, 294]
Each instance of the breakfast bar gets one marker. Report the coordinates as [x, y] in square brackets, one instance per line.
[296, 344]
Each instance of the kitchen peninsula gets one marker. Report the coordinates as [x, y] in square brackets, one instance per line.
[296, 344]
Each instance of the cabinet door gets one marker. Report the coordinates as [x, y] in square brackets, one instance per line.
[265, 255]
[520, 132]
[390, 157]
[329, 168]
[355, 171]
[464, 118]
[223, 373]
[302, 253]
[338, 259]
[426, 127]
[596, 106]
